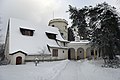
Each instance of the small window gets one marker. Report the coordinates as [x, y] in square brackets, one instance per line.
[80, 51]
[55, 52]
[63, 51]
[65, 27]
[26, 32]
[53, 25]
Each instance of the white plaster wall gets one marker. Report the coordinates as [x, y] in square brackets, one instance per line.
[62, 54]
[14, 56]
[32, 57]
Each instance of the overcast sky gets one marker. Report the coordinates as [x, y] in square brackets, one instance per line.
[41, 11]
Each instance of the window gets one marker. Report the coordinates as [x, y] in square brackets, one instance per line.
[55, 52]
[65, 27]
[80, 51]
[53, 25]
[26, 32]
[63, 51]
[51, 36]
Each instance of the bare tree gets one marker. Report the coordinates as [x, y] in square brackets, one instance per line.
[42, 52]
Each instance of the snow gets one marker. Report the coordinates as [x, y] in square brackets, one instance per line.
[32, 44]
[60, 70]
[27, 28]
[81, 41]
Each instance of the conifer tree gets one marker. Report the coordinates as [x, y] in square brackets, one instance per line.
[70, 35]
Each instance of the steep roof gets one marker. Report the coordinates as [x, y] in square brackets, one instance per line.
[31, 44]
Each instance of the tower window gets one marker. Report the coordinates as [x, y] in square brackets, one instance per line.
[65, 27]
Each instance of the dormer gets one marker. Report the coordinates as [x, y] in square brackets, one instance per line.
[26, 31]
[51, 35]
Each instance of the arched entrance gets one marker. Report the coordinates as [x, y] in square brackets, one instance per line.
[71, 53]
[80, 53]
[18, 60]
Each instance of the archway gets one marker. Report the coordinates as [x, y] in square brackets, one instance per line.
[18, 60]
[71, 53]
[80, 53]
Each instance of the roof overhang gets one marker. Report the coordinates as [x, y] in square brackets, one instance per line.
[18, 52]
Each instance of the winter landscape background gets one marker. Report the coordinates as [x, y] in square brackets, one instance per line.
[40, 12]
[60, 70]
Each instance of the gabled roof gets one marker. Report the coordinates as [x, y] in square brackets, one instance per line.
[30, 44]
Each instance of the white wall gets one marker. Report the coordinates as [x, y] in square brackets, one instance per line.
[62, 54]
[32, 57]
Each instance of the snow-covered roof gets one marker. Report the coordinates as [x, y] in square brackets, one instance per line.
[27, 28]
[31, 44]
[81, 41]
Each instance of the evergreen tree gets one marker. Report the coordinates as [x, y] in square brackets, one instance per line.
[78, 19]
[100, 24]
[105, 28]
[70, 35]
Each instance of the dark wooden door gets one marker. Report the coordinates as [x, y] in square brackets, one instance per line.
[18, 60]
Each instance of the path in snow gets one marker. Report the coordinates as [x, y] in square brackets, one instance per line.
[86, 70]
[71, 72]
[59, 70]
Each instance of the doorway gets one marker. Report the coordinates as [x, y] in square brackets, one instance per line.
[18, 60]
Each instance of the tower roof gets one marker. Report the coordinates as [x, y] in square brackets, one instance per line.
[58, 20]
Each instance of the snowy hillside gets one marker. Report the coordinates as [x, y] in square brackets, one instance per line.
[59, 70]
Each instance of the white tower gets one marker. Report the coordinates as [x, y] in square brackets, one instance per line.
[61, 24]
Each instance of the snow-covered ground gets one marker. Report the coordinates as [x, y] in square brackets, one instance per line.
[59, 70]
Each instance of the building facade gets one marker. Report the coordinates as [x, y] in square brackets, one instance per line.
[82, 50]
[26, 42]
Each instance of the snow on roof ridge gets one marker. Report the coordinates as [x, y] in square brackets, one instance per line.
[81, 41]
[27, 28]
